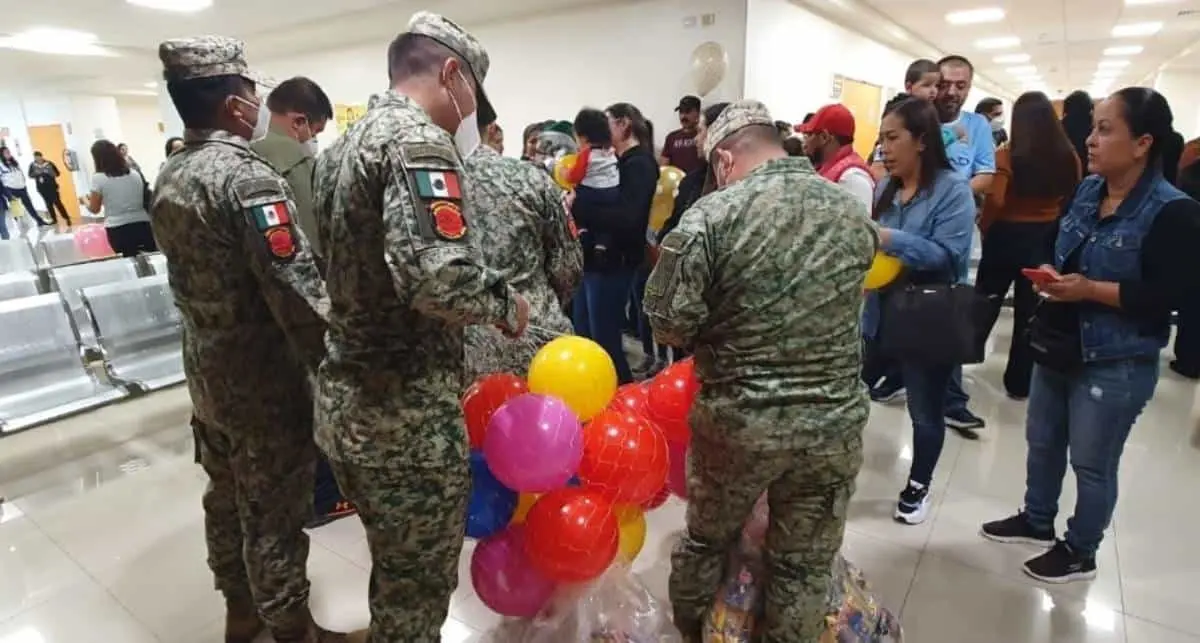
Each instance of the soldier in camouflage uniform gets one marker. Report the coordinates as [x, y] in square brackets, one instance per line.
[763, 279]
[404, 279]
[253, 310]
[525, 232]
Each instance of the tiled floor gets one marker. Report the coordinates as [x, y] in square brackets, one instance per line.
[101, 537]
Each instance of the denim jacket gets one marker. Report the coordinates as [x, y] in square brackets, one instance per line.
[1111, 251]
[930, 234]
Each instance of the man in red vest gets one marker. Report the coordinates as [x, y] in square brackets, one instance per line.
[828, 142]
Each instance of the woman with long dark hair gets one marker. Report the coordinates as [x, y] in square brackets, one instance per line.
[1124, 258]
[121, 192]
[13, 183]
[1035, 173]
[926, 213]
[1077, 120]
[608, 274]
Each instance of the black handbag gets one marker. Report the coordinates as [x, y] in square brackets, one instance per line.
[1050, 347]
[929, 323]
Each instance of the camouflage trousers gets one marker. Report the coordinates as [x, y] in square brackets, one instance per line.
[414, 516]
[258, 499]
[809, 492]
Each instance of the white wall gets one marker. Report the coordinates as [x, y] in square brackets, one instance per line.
[140, 120]
[549, 66]
[1182, 90]
[792, 56]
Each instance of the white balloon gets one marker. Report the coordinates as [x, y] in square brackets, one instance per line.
[710, 61]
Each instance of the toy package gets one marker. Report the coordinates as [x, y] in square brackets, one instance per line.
[853, 614]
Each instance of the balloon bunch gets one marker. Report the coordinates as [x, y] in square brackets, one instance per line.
[564, 467]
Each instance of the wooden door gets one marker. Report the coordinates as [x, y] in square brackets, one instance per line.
[865, 101]
[52, 143]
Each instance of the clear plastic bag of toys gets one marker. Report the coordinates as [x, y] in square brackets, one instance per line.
[853, 613]
[615, 608]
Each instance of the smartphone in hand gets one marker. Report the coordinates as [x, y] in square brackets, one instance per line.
[1040, 276]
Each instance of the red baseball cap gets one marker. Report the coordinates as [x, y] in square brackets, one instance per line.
[835, 119]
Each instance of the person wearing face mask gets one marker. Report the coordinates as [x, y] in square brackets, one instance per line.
[253, 310]
[299, 110]
[774, 326]
[829, 144]
[406, 277]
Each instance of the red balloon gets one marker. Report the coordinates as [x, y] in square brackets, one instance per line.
[634, 398]
[672, 393]
[571, 535]
[677, 481]
[625, 457]
[659, 499]
[482, 398]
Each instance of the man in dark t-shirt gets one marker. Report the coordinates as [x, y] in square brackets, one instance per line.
[679, 149]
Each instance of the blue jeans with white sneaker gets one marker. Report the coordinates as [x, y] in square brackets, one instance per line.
[926, 404]
[1086, 417]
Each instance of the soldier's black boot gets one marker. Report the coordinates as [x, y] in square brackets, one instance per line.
[242, 624]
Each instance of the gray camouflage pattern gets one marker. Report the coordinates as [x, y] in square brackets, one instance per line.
[524, 232]
[764, 281]
[455, 37]
[740, 114]
[253, 328]
[387, 409]
[203, 57]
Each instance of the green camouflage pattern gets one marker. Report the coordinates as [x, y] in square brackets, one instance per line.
[455, 38]
[737, 116]
[524, 231]
[764, 281]
[204, 57]
[253, 328]
[387, 409]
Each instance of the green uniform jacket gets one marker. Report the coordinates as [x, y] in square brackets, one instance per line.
[290, 158]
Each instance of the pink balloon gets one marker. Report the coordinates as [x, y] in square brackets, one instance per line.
[92, 241]
[503, 577]
[533, 443]
[677, 475]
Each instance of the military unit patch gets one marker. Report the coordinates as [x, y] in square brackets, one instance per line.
[448, 221]
[280, 242]
[274, 222]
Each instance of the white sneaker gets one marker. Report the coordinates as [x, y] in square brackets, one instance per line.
[913, 507]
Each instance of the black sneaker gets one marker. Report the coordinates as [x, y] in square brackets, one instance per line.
[1062, 564]
[1016, 529]
[888, 390]
[913, 507]
[960, 419]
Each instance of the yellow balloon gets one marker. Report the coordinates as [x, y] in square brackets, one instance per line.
[561, 167]
[884, 270]
[664, 196]
[524, 504]
[631, 521]
[577, 371]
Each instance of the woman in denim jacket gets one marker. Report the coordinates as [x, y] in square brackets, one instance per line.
[1124, 258]
[927, 217]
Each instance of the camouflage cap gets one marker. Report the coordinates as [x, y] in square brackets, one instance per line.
[204, 57]
[458, 40]
[739, 115]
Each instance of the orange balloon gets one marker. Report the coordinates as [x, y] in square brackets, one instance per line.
[524, 504]
[571, 535]
[672, 393]
[625, 457]
[482, 398]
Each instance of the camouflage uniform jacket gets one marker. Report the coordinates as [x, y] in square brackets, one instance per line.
[765, 280]
[404, 279]
[525, 233]
[247, 288]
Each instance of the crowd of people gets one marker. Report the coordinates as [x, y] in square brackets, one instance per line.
[336, 303]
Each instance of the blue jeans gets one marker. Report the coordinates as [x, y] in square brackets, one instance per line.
[1085, 416]
[926, 408]
[956, 395]
[599, 314]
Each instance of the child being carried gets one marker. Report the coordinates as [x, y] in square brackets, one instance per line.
[595, 175]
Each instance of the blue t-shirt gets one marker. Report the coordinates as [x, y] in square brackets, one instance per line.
[969, 145]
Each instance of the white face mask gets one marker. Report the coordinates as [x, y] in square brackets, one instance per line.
[262, 121]
[466, 137]
[310, 146]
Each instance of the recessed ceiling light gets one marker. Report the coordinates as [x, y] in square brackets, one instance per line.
[1026, 70]
[1112, 63]
[1003, 42]
[1137, 29]
[1130, 50]
[52, 40]
[975, 16]
[178, 6]
[1011, 59]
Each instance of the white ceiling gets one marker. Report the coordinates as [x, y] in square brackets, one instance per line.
[1065, 39]
[271, 29]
